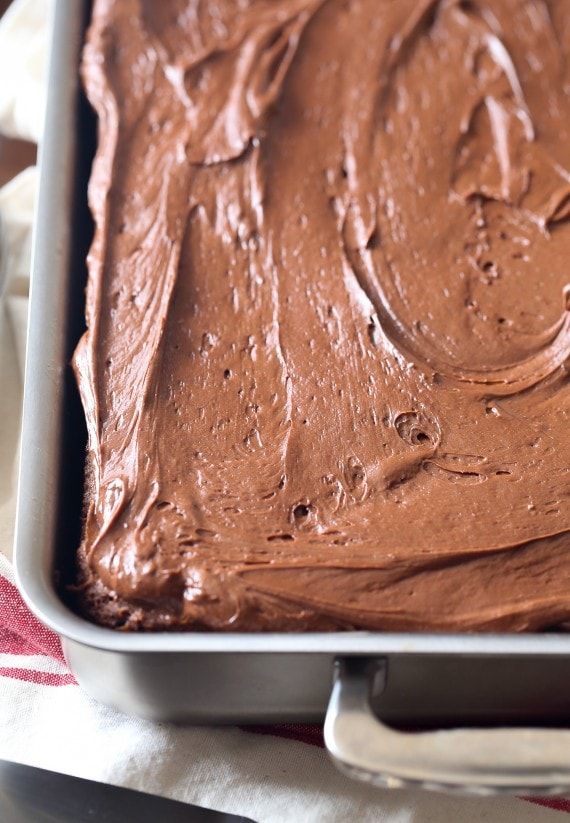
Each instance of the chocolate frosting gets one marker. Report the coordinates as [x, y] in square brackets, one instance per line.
[325, 375]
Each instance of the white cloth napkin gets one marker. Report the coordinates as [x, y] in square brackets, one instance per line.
[22, 68]
[45, 718]
[16, 212]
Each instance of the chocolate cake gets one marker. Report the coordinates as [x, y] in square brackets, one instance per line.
[325, 375]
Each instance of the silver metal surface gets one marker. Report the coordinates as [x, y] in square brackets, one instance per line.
[479, 761]
[201, 677]
[30, 795]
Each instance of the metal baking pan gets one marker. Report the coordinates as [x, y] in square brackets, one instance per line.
[436, 679]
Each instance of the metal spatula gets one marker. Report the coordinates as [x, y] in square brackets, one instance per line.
[30, 795]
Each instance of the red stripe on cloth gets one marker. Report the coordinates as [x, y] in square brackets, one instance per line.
[11, 643]
[312, 734]
[16, 618]
[39, 678]
[560, 804]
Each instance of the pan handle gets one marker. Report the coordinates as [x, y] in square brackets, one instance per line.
[481, 761]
